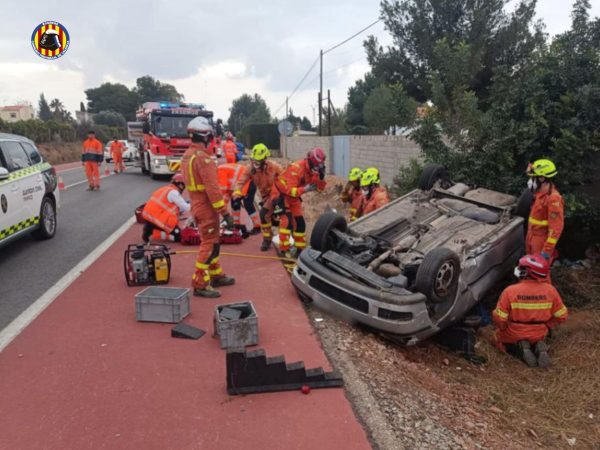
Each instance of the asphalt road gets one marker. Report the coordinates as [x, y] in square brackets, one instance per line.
[28, 268]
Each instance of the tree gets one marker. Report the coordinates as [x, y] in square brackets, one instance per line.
[114, 97]
[59, 114]
[246, 110]
[81, 107]
[357, 96]
[148, 89]
[44, 112]
[110, 118]
[301, 123]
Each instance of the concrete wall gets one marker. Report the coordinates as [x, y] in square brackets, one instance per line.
[387, 153]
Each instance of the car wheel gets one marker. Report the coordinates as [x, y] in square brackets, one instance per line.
[322, 238]
[523, 207]
[430, 175]
[437, 276]
[48, 220]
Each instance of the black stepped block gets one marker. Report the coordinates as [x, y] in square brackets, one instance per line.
[250, 372]
[182, 330]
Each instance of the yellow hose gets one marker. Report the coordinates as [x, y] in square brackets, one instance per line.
[242, 255]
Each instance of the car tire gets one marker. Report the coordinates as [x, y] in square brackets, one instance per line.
[430, 175]
[438, 274]
[321, 238]
[48, 220]
[523, 207]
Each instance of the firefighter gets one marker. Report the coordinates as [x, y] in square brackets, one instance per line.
[91, 158]
[374, 195]
[352, 193]
[200, 175]
[116, 150]
[527, 310]
[261, 175]
[229, 175]
[546, 219]
[161, 212]
[298, 178]
[229, 148]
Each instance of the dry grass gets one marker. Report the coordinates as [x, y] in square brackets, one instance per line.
[65, 152]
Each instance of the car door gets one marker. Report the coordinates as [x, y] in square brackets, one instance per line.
[35, 179]
[11, 200]
[24, 181]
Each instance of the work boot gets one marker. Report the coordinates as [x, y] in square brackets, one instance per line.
[223, 280]
[526, 353]
[207, 292]
[255, 230]
[90, 188]
[541, 351]
[266, 245]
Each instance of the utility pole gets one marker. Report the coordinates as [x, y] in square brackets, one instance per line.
[329, 110]
[320, 90]
[285, 134]
[286, 109]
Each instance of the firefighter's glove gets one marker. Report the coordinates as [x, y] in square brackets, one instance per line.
[228, 218]
[321, 173]
[236, 203]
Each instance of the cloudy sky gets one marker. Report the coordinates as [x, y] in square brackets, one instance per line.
[211, 51]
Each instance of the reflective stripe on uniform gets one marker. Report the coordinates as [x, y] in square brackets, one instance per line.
[26, 171]
[539, 223]
[294, 192]
[501, 314]
[19, 226]
[193, 187]
[561, 312]
[219, 204]
[214, 272]
[518, 305]
[551, 240]
[201, 266]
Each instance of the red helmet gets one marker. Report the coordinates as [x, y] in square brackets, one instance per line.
[177, 179]
[316, 158]
[533, 266]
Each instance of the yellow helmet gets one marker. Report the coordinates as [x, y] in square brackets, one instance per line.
[260, 152]
[542, 168]
[354, 174]
[369, 177]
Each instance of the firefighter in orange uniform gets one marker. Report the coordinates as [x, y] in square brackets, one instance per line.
[374, 195]
[546, 219]
[200, 174]
[116, 150]
[261, 176]
[91, 157]
[229, 148]
[230, 175]
[352, 193]
[298, 178]
[161, 212]
[526, 311]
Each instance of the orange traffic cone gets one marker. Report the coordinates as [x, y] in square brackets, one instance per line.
[106, 171]
[61, 184]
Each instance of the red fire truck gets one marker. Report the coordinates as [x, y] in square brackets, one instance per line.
[165, 139]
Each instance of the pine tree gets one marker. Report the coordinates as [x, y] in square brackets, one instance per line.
[44, 112]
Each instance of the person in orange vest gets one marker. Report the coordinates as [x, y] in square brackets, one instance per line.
[352, 194]
[91, 158]
[229, 175]
[546, 219]
[526, 311]
[161, 212]
[261, 176]
[116, 150]
[297, 179]
[201, 181]
[374, 195]
[229, 148]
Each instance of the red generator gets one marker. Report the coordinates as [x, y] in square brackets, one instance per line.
[231, 236]
[190, 236]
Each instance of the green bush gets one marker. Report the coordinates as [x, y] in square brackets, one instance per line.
[407, 178]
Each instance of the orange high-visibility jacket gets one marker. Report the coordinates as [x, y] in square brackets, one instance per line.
[200, 175]
[160, 211]
[527, 309]
[262, 179]
[230, 151]
[379, 197]
[546, 222]
[116, 146]
[297, 175]
[229, 175]
[92, 150]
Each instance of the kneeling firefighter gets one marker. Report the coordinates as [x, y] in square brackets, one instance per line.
[352, 194]
[200, 174]
[161, 212]
[374, 195]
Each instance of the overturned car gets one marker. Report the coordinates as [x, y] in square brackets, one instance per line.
[417, 265]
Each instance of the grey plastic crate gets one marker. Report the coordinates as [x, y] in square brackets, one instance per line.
[240, 332]
[162, 304]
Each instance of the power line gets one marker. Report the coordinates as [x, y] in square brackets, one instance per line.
[351, 37]
[298, 85]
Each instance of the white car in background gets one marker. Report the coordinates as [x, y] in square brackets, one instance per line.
[129, 153]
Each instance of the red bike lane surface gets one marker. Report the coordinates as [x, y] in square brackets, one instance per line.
[86, 375]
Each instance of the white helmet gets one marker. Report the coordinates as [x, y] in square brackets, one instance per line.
[199, 125]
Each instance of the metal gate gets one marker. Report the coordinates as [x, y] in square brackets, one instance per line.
[341, 155]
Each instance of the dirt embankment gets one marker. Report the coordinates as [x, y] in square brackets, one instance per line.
[60, 153]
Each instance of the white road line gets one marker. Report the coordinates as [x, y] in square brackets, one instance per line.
[26, 317]
[69, 170]
[84, 181]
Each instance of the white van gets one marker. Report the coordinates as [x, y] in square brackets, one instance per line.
[29, 195]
